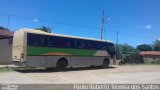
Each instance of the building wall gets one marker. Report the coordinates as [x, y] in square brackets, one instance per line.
[5, 51]
[151, 57]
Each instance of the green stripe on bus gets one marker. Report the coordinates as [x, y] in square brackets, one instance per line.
[31, 50]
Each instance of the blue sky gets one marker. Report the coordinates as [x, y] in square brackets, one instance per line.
[137, 21]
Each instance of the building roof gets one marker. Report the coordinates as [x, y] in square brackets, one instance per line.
[6, 33]
[156, 53]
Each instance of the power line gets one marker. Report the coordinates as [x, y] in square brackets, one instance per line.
[136, 36]
[49, 21]
[75, 25]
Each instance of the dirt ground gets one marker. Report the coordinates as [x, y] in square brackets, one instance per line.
[115, 74]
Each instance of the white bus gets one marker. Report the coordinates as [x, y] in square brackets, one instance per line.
[35, 48]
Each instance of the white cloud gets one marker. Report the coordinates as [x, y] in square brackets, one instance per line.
[35, 20]
[138, 44]
[108, 18]
[148, 26]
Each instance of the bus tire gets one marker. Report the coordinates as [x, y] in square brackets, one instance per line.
[106, 63]
[62, 64]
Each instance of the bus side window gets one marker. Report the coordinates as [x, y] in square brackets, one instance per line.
[71, 41]
[59, 41]
[98, 45]
[88, 44]
[85, 44]
[33, 39]
[51, 41]
[104, 46]
[42, 40]
[75, 43]
[94, 45]
[82, 44]
[66, 43]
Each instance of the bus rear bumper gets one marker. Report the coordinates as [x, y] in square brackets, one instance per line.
[19, 63]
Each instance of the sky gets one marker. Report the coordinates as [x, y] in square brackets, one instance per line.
[136, 21]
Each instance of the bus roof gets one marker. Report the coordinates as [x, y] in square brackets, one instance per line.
[61, 35]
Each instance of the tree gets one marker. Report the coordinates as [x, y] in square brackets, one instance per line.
[1, 27]
[45, 29]
[156, 45]
[144, 47]
[129, 54]
[125, 48]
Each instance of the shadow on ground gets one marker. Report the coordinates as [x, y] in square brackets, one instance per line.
[43, 70]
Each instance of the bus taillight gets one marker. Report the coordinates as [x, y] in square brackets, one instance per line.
[22, 55]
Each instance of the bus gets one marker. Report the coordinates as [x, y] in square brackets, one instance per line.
[35, 48]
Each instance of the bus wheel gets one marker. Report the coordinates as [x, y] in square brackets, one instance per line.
[106, 63]
[62, 64]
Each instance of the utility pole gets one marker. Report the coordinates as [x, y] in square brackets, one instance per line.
[117, 48]
[102, 26]
[117, 36]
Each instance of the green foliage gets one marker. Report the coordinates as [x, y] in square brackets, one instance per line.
[22, 69]
[5, 69]
[128, 54]
[132, 59]
[156, 45]
[45, 29]
[144, 47]
[1, 27]
[152, 61]
[125, 48]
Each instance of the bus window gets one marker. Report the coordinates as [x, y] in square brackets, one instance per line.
[33, 39]
[42, 40]
[51, 41]
[98, 45]
[89, 45]
[104, 46]
[81, 44]
[74, 43]
[93, 43]
[67, 42]
[59, 41]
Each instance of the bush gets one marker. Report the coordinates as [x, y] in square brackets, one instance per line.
[132, 59]
[152, 61]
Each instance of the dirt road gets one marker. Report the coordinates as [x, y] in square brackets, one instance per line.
[115, 74]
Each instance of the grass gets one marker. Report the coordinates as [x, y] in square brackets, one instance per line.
[6, 69]
[10, 69]
[146, 62]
